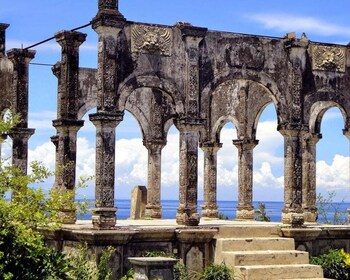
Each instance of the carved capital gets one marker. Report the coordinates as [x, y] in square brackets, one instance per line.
[292, 129]
[245, 144]
[70, 39]
[154, 145]
[67, 124]
[210, 147]
[21, 133]
[189, 124]
[108, 15]
[106, 118]
[20, 56]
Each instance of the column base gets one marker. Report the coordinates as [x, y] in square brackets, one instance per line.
[153, 212]
[245, 214]
[187, 217]
[68, 217]
[294, 218]
[104, 217]
[210, 211]
[310, 215]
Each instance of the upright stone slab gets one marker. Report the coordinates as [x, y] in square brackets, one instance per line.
[150, 268]
[138, 202]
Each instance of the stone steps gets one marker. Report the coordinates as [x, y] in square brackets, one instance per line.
[268, 272]
[269, 257]
[258, 253]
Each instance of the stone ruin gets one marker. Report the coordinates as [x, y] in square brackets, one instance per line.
[197, 80]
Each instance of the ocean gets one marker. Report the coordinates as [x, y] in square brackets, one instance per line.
[228, 209]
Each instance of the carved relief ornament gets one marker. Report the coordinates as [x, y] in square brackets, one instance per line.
[244, 54]
[328, 58]
[151, 39]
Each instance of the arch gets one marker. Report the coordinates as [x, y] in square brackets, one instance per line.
[163, 84]
[317, 111]
[220, 123]
[261, 78]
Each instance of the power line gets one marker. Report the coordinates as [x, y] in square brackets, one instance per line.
[51, 38]
[41, 64]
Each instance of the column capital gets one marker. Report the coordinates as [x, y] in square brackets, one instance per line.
[212, 147]
[154, 144]
[313, 138]
[70, 38]
[246, 144]
[20, 55]
[292, 129]
[107, 118]
[189, 124]
[108, 15]
[23, 133]
[72, 124]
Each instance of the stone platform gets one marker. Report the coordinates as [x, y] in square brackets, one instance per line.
[196, 246]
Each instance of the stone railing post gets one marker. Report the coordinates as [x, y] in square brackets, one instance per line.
[309, 176]
[188, 174]
[104, 213]
[210, 207]
[245, 209]
[293, 134]
[153, 207]
[20, 134]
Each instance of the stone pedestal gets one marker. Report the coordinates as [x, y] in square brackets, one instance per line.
[210, 208]
[153, 207]
[245, 209]
[151, 268]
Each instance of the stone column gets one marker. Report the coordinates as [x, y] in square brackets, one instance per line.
[346, 132]
[2, 140]
[20, 137]
[153, 207]
[188, 175]
[67, 124]
[292, 212]
[3, 27]
[20, 134]
[104, 213]
[210, 207]
[309, 176]
[245, 209]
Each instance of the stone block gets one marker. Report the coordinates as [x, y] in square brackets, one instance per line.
[138, 202]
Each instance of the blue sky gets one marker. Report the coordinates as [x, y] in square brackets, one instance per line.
[323, 21]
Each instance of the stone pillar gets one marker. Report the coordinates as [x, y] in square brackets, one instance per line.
[2, 140]
[188, 172]
[309, 176]
[292, 212]
[20, 134]
[104, 213]
[3, 27]
[20, 137]
[153, 207]
[67, 124]
[210, 207]
[346, 132]
[245, 209]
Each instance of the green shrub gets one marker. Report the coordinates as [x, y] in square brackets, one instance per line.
[335, 264]
[261, 214]
[217, 272]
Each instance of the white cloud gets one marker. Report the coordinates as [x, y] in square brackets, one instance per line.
[334, 176]
[289, 23]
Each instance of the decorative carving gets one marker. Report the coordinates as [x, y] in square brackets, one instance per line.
[245, 54]
[328, 58]
[150, 39]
